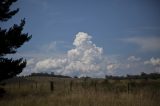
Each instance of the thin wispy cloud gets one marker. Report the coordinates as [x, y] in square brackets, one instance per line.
[145, 43]
[133, 58]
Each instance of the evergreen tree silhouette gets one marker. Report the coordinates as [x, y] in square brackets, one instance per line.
[10, 40]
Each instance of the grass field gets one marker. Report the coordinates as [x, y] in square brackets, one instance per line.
[36, 91]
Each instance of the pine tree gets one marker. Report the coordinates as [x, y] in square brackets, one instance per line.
[10, 40]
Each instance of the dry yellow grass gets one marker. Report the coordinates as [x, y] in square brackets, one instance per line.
[82, 93]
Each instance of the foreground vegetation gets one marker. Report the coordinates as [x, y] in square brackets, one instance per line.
[38, 91]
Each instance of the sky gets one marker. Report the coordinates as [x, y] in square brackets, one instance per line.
[89, 37]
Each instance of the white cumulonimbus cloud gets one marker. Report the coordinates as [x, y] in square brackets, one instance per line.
[88, 59]
[84, 58]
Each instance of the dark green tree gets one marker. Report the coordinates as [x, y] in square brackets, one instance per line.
[10, 40]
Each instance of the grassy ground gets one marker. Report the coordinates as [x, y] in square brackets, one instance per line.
[35, 91]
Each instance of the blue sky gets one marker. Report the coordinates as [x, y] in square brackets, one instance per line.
[128, 31]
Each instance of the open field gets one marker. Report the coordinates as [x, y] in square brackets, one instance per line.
[38, 91]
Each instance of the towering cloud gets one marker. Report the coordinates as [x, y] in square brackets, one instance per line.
[84, 49]
[84, 58]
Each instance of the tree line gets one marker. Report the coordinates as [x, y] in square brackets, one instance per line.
[49, 75]
[143, 75]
